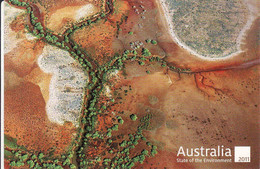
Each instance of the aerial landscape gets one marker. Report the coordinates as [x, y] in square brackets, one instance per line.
[126, 84]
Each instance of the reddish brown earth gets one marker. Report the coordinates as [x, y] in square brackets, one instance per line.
[98, 39]
[26, 120]
[6, 164]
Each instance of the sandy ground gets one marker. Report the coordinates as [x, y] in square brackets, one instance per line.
[70, 14]
[66, 88]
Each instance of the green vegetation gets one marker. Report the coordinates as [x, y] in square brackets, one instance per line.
[148, 41]
[153, 150]
[145, 122]
[10, 142]
[18, 3]
[133, 117]
[120, 120]
[154, 42]
[115, 127]
[141, 63]
[146, 52]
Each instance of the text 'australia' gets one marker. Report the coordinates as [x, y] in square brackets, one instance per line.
[220, 151]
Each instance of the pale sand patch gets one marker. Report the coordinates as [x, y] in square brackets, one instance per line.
[253, 14]
[85, 11]
[113, 73]
[29, 36]
[10, 37]
[108, 91]
[72, 13]
[253, 8]
[67, 85]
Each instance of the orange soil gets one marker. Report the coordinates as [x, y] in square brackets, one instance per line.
[121, 8]
[103, 122]
[6, 164]
[143, 86]
[97, 39]
[26, 120]
[22, 59]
